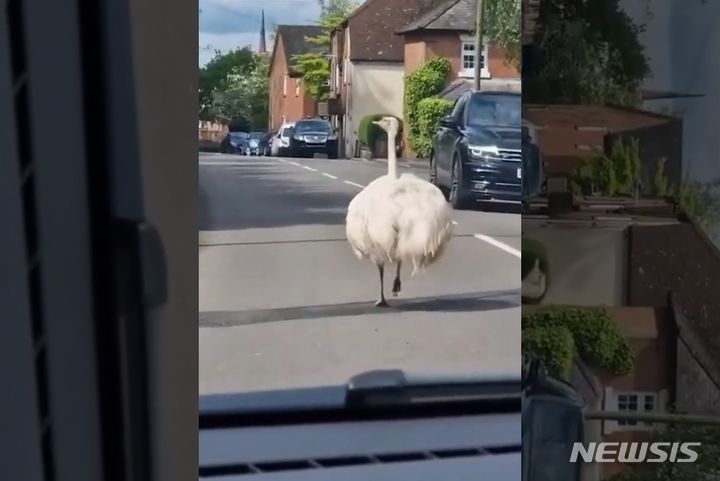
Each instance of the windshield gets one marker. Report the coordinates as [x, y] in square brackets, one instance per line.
[257, 135]
[290, 292]
[239, 135]
[494, 111]
[313, 126]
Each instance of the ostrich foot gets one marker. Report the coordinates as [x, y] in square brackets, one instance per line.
[396, 287]
[382, 303]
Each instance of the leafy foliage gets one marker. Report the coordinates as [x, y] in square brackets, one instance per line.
[426, 81]
[314, 67]
[429, 113]
[501, 25]
[243, 103]
[587, 53]
[217, 75]
[661, 184]
[596, 338]
[615, 174]
[707, 466]
[555, 345]
[700, 201]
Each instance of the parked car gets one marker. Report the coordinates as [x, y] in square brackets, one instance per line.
[313, 136]
[235, 143]
[253, 144]
[477, 150]
[264, 145]
[281, 142]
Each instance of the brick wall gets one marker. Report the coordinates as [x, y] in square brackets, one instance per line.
[287, 103]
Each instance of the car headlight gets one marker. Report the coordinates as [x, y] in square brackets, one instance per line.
[483, 150]
[284, 142]
[297, 137]
[234, 144]
[332, 137]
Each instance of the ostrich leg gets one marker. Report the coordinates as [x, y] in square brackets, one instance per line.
[396, 284]
[382, 302]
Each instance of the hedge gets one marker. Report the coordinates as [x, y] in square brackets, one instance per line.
[429, 113]
[555, 346]
[426, 81]
[596, 338]
[368, 132]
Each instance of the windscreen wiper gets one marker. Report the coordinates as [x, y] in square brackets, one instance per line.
[387, 388]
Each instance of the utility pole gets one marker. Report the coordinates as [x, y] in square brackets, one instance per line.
[478, 42]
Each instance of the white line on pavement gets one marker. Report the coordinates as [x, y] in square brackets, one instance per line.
[454, 222]
[353, 183]
[309, 168]
[294, 163]
[498, 244]
[328, 175]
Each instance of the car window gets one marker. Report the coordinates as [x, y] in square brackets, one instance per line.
[494, 111]
[313, 126]
[458, 108]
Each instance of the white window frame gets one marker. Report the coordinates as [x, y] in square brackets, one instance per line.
[612, 403]
[297, 87]
[285, 79]
[470, 72]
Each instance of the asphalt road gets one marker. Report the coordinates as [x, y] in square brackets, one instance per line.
[284, 303]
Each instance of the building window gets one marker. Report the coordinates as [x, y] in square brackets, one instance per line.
[468, 57]
[636, 402]
[285, 79]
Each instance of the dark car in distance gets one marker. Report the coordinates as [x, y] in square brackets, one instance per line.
[253, 144]
[235, 143]
[265, 144]
[477, 150]
[313, 136]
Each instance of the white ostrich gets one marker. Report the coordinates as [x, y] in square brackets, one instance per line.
[397, 219]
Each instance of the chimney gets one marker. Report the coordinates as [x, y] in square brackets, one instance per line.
[262, 49]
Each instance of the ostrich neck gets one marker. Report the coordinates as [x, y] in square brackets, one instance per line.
[392, 157]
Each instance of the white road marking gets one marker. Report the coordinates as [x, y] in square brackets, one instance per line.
[454, 222]
[353, 183]
[309, 168]
[498, 244]
[294, 163]
[328, 175]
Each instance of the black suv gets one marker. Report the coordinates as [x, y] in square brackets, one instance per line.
[477, 150]
[313, 136]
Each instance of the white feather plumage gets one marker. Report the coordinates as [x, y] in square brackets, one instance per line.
[399, 219]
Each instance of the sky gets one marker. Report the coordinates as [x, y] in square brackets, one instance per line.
[229, 24]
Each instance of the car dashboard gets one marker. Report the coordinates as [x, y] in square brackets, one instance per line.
[415, 443]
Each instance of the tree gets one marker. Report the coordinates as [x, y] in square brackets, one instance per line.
[314, 67]
[243, 102]
[585, 52]
[218, 73]
[502, 26]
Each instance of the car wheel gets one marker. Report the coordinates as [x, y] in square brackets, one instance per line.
[458, 196]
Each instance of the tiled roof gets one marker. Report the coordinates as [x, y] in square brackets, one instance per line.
[447, 15]
[373, 28]
[294, 41]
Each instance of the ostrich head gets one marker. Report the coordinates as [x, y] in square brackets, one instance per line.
[389, 125]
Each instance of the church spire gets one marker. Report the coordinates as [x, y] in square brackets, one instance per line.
[262, 49]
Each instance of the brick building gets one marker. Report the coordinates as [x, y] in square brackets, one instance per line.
[288, 100]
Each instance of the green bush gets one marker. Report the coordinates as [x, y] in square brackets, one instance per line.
[554, 345]
[597, 339]
[429, 113]
[368, 132]
[426, 81]
[613, 174]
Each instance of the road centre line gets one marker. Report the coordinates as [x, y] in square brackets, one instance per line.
[353, 183]
[500, 245]
[309, 168]
[329, 175]
[293, 163]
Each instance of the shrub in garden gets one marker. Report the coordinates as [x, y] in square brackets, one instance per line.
[597, 340]
[554, 345]
[426, 81]
[429, 113]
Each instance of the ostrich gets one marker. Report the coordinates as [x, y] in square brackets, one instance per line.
[398, 219]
